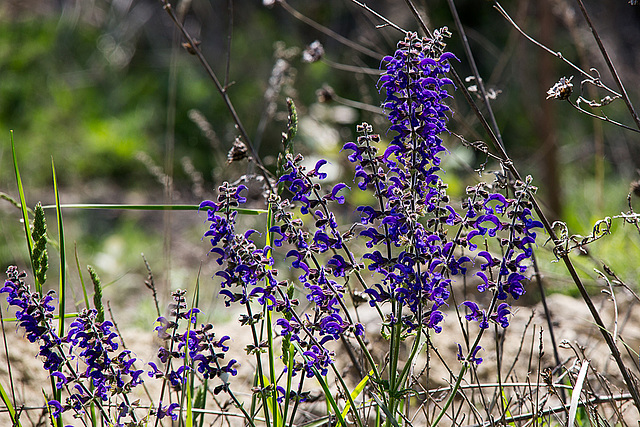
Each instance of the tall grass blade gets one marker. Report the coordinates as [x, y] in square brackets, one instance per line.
[9, 405]
[575, 395]
[451, 395]
[277, 415]
[63, 257]
[505, 402]
[84, 287]
[25, 214]
[331, 401]
[356, 392]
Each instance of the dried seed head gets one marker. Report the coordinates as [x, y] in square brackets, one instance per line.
[561, 90]
[325, 94]
[313, 52]
[238, 151]
[190, 48]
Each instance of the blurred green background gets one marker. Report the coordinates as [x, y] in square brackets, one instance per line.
[106, 90]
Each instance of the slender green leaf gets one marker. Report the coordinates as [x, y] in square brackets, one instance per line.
[56, 396]
[329, 396]
[356, 392]
[84, 287]
[189, 420]
[277, 415]
[25, 214]
[9, 405]
[325, 387]
[322, 421]
[56, 317]
[505, 401]
[575, 395]
[272, 403]
[63, 257]
[388, 413]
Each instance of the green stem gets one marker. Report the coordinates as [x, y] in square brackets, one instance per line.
[454, 391]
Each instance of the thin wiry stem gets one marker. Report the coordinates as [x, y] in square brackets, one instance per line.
[223, 93]
[352, 68]
[612, 68]
[383, 18]
[603, 118]
[596, 80]
[229, 39]
[474, 69]
[337, 37]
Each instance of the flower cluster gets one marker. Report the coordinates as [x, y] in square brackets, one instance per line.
[85, 361]
[329, 320]
[412, 205]
[245, 265]
[194, 349]
[417, 239]
[248, 272]
[34, 312]
[510, 223]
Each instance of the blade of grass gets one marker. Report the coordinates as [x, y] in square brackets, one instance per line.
[452, 394]
[329, 396]
[190, 389]
[277, 414]
[66, 316]
[25, 214]
[505, 401]
[9, 405]
[9, 370]
[384, 408]
[84, 288]
[63, 257]
[272, 404]
[327, 393]
[575, 395]
[241, 211]
[356, 392]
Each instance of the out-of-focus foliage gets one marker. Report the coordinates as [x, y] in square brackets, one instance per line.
[94, 83]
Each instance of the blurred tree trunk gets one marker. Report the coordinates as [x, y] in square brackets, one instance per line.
[546, 124]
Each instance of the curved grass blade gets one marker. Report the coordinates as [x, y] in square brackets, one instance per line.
[84, 287]
[63, 257]
[356, 392]
[452, 394]
[241, 211]
[25, 214]
[575, 395]
[327, 393]
[9, 405]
